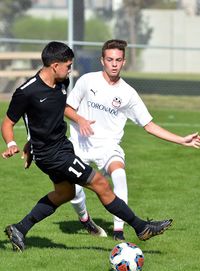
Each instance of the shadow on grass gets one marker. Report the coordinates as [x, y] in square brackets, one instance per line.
[40, 242]
[68, 227]
[72, 227]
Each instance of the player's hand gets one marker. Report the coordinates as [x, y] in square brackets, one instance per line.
[27, 155]
[192, 140]
[85, 127]
[10, 152]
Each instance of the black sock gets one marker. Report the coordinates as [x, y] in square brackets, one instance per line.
[120, 209]
[42, 209]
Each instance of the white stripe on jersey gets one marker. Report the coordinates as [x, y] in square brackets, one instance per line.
[26, 123]
[29, 83]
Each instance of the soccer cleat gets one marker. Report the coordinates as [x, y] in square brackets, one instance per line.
[119, 236]
[153, 228]
[92, 228]
[16, 238]
[157, 223]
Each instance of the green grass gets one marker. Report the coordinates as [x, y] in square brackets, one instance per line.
[163, 180]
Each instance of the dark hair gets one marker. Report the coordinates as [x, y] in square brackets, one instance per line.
[114, 44]
[56, 52]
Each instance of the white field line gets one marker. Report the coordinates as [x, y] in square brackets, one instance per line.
[174, 124]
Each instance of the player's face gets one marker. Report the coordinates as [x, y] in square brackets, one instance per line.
[62, 70]
[113, 61]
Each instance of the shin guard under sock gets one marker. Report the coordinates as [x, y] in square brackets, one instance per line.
[42, 209]
[119, 208]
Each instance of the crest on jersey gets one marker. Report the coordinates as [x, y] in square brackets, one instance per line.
[116, 102]
[64, 90]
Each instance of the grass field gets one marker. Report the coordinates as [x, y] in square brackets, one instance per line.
[163, 180]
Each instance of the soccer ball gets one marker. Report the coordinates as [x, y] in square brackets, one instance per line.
[126, 257]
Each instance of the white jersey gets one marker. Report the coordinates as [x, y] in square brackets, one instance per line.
[109, 105]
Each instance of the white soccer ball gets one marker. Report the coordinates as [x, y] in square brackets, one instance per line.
[126, 257]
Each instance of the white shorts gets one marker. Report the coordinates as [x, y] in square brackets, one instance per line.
[101, 155]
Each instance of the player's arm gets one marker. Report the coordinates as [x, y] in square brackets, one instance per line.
[8, 136]
[84, 124]
[192, 140]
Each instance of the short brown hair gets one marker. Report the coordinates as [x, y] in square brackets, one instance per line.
[114, 44]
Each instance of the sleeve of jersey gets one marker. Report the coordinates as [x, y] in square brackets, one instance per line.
[77, 93]
[17, 106]
[138, 112]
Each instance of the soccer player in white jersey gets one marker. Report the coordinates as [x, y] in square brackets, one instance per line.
[99, 106]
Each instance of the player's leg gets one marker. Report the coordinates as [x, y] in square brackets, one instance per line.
[45, 207]
[113, 162]
[79, 205]
[118, 175]
[117, 207]
[79, 201]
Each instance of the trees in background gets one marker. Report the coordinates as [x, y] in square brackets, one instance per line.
[37, 28]
[131, 26]
[9, 11]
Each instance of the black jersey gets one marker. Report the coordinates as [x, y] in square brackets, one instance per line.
[42, 109]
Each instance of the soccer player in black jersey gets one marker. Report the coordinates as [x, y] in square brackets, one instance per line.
[41, 102]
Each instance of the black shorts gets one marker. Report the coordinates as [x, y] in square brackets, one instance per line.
[64, 165]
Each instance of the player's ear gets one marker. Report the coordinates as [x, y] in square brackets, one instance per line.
[54, 66]
[102, 61]
[124, 61]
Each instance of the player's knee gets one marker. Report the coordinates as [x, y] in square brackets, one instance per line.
[100, 183]
[64, 196]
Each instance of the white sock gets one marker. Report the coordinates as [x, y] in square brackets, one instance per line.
[120, 189]
[78, 203]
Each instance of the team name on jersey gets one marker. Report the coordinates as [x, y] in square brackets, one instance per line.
[102, 108]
